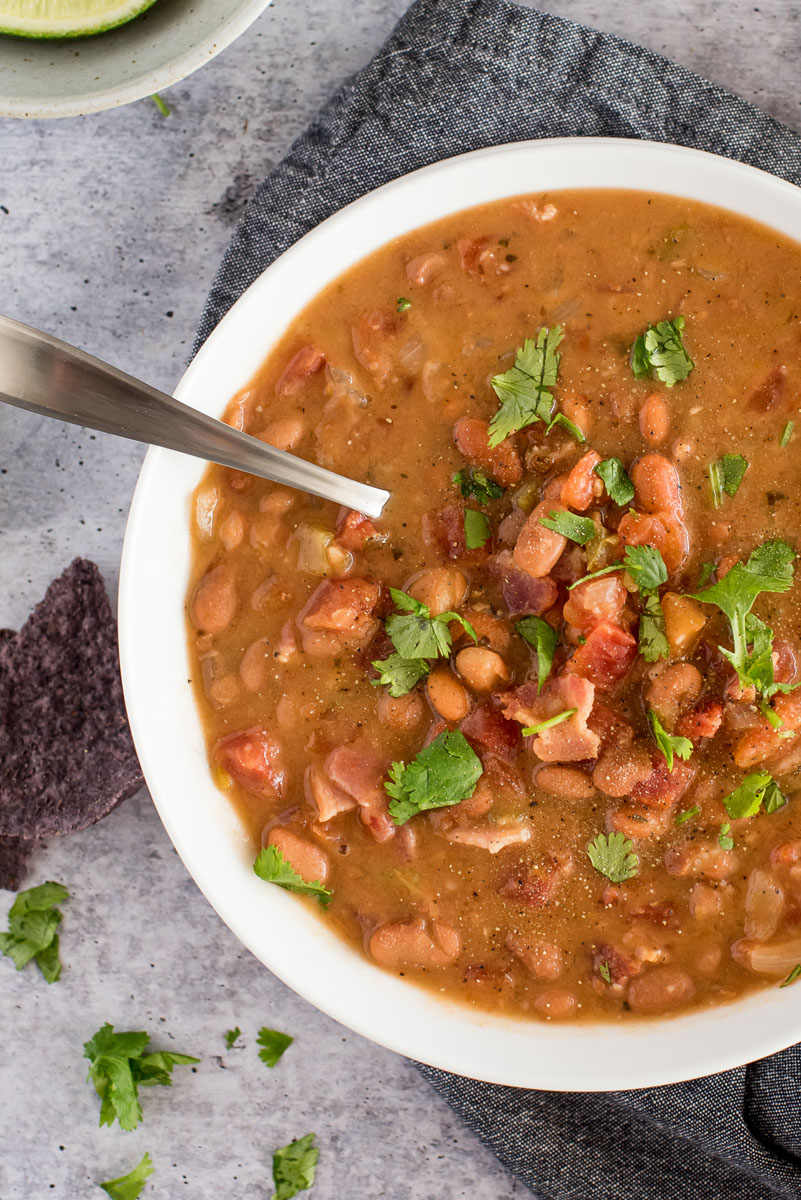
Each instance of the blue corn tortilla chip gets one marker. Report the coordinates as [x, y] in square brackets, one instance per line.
[14, 854]
[66, 753]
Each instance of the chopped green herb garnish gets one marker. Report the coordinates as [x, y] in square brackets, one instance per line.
[543, 637]
[605, 973]
[119, 1066]
[33, 922]
[644, 564]
[477, 530]
[704, 575]
[787, 434]
[791, 978]
[774, 798]
[523, 390]
[161, 104]
[531, 730]
[617, 483]
[653, 642]
[747, 799]
[660, 353]
[571, 427]
[725, 840]
[442, 774]
[403, 304]
[272, 867]
[688, 814]
[577, 529]
[416, 634]
[475, 483]
[399, 674]
[726, 475]
[129, 1187]
[668, 743]
[231, 1036]
[293, 1167]
[273, 1044]
[613, 855]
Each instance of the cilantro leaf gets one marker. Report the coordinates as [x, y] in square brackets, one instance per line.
[273, 1044]
[33, 922]
[293, 1167]
[232, 1035]
[769, 569]
[791, 978]
[644, 564]
[403, 304]
[399, 674]
[530, 730]
[272, 867]
[444, 773]
[705, 574]
[544, 638]
[416, 634]
[787, 433]
[477, 529]
[725, 840]
[571, 427]
[577, 529]
[616, 481]
[668, 743]
[746, 800]
[653, 642]
[613, 855]
[726, 475]
[523, 390]
[774, 798]
[660, 353]
[687, 815]
[118, 1065]
[129, 1187]
[605, 973]
[475, 483]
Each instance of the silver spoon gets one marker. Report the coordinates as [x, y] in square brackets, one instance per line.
[47, 376]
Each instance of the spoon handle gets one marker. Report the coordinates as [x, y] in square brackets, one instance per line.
[50, 377]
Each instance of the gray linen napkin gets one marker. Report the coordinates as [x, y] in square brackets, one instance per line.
[454, 76]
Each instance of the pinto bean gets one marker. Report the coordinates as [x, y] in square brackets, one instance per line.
[656, 485]
[398, 945]
[481, 668]
[660, 989]
[502, 462]
[299, 370]
[566, 783]
[423, 267]
[557, 1004]
[543, 959]
[443, 589]
[400, 712]
[308, 860]
[705, 860]
[446, 694]
[654, 419]
[286, 433]
[254, 667]
[538, 549]
[582, 485]
[215, 599]
[232, 530]
[674, 689]
[621, 767]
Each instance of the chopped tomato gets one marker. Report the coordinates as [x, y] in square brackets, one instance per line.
[606, 657]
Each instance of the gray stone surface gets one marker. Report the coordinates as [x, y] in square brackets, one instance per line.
[111, 228]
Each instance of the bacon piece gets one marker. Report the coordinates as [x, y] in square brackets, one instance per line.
[538, 889]
[660, 912]
[502, 462]
[253, 758]
[663, 788]
[522, 594]
[769, 392]
[595, 601]
[701, 722]
[443, 532]
[621, 967]
[470, 253]
[571, 740]
[606, 657]
[329, 799]
[342, 606]
[301, 367]
[703, 860]
[355, 530]
[488, 729]
[582, 485]
[359, 771]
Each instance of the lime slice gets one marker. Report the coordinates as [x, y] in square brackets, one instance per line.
[66, 18]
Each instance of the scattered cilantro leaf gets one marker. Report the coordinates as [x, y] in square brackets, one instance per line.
[613, 855]
[644, 564]
[543, 637]
[399, 674]
[531, 730]
[129, 1187]
[687, 815]
[293, 1167]
[791, 978]
[33, 922]
[523, 390]
[475, 483]
[230, 1036]
[725, 840]
[273, 1044]
[577, 529]
[477, 529]
[704, 575]
[746, 800]
[444, 773]
[272, 867]
[726, 475]
[161, 104]
[653, 642]
[774, 798]
[616, 481]
[416, 634]
[403, 304]
[660, 353]
[571, 427]
[787, 434]
[119, 1065]
[668, 743]
[605, 973]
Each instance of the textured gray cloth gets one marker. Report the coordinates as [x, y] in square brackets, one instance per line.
[457, 75]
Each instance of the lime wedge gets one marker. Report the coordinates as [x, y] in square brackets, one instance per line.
[66, 18]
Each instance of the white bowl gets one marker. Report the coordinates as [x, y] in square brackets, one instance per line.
[63, 78]
[281, 931]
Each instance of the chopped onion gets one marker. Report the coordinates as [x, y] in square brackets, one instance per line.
[206, 504]
[777, 958]
[313, 542]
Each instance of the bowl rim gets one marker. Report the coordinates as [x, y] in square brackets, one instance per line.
[281, 931]
[145, 83]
